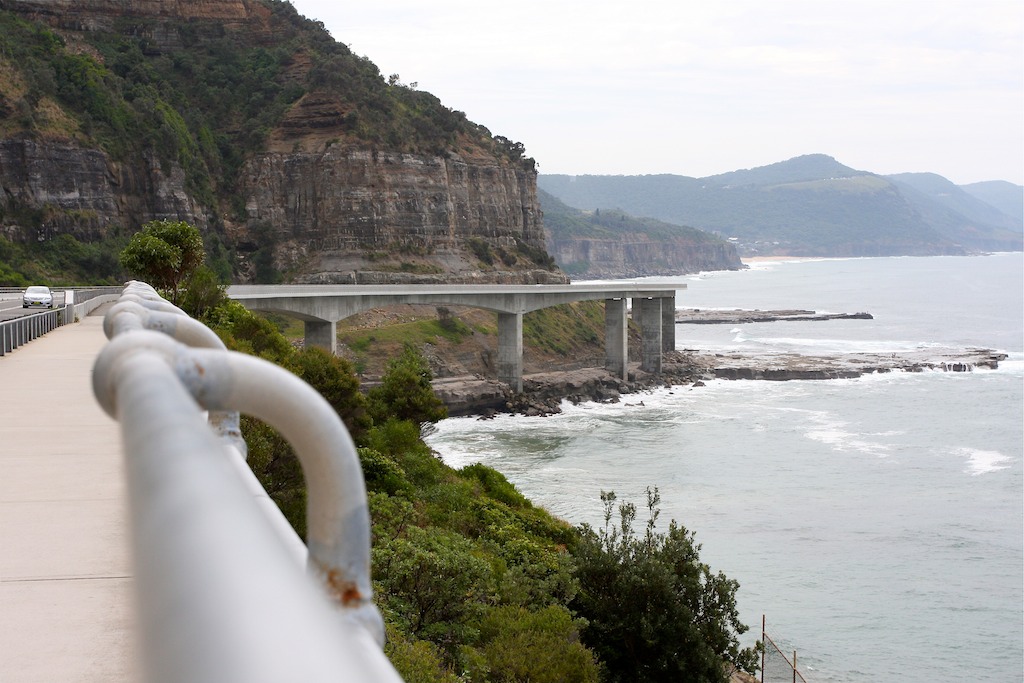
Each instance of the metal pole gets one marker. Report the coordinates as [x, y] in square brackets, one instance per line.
[794, 666]
[764, 648]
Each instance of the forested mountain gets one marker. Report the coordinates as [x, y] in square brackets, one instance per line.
[811, 205]
[612, 243]
[1006, 197]
[296, 158]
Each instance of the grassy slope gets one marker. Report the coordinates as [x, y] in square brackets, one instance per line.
[561, 337]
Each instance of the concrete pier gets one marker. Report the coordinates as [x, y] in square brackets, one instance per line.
[322, 333]
[510, 350]
[648, 312]
[616, 338]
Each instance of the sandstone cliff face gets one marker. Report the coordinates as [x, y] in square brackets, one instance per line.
[81, 191]
[320, 206]
[638, 256]
[332, 211]
[101, 15]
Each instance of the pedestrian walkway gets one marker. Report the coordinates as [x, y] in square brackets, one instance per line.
[65, 569]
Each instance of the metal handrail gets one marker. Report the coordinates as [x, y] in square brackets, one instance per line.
[221, 596]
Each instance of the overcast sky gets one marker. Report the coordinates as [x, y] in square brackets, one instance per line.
[699, 88]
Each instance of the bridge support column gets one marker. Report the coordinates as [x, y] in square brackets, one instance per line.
[322, 333]
[510, 350]
[650, 329]
[616, 340]
[668, 324]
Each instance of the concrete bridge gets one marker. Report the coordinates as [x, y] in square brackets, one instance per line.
[320, 307]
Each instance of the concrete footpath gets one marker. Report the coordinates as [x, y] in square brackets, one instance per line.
[65, 569]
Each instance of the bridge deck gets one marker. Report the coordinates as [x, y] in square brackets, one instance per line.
[65, 569]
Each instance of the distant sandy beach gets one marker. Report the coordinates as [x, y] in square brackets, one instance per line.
[762, 259]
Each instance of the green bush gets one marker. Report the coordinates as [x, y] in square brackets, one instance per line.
[405, 392]
[203, 293]
[382, 474]
[495, 485]
[654, 611]
[434, 582]
[540, 647]
[165, 254]
[334, 379]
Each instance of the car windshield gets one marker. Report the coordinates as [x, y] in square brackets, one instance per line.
[37, 290]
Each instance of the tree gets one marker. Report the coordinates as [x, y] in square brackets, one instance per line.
[655, 612]
[405, 392]
[335, 380]
[164, 254]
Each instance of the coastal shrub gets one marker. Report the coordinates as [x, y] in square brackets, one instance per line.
[383, 474]
[244, 331]
[495, 485]
[405, 392]
[400, 440]
[203, 293]
[434, 583]
[334, 378]
[654, 611]
[539, 646]
[417, 661]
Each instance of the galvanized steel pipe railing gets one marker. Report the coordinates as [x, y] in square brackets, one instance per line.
[222, 595]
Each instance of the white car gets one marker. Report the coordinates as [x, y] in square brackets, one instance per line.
[37, 296]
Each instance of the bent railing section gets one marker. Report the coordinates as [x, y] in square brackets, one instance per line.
[225, 590]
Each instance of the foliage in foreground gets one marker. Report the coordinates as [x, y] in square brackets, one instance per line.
[474, 582]
[655, 611]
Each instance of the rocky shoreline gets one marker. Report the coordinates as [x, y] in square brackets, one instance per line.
[697, 316]
[543, 393]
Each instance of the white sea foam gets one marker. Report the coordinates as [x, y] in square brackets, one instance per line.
[984, 462]
[809, 345]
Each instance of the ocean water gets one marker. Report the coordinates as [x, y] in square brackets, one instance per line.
[877, 522]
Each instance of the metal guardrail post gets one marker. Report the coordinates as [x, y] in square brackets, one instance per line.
[221, 598]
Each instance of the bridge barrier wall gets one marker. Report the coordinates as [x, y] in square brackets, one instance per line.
[77, 304]
[225, 590]
[19, 331]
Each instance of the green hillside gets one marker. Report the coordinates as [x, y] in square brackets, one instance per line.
[811, 205]
[563, 221]
[1005, 196]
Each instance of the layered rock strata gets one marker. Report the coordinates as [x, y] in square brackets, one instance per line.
[639, 256]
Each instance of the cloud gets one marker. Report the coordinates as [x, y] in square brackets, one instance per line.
[877, 80]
